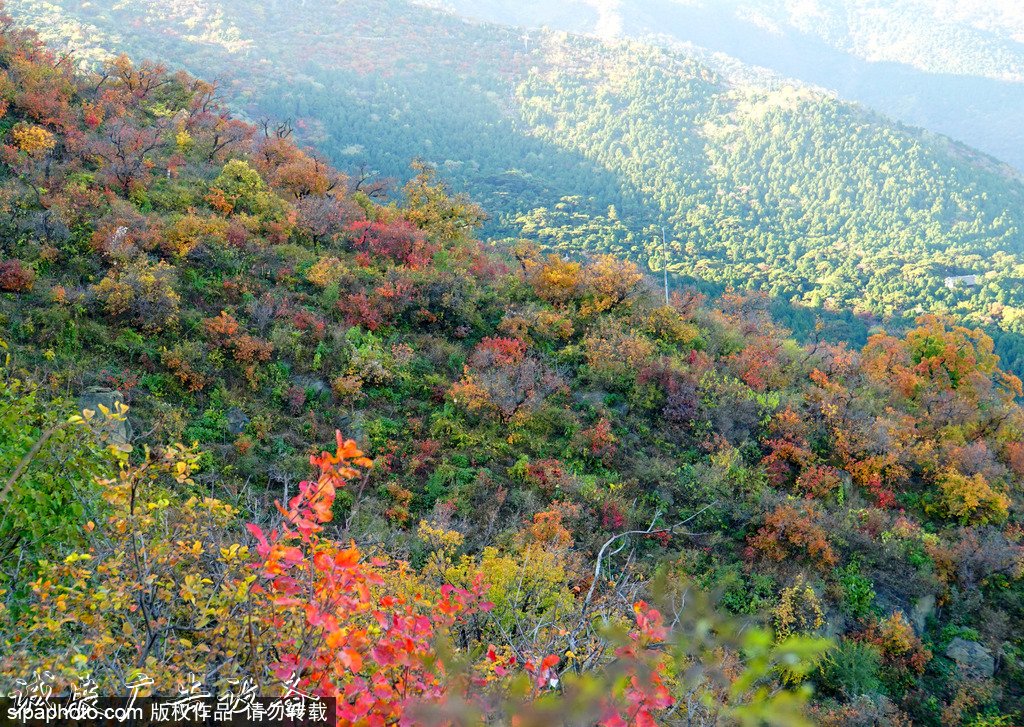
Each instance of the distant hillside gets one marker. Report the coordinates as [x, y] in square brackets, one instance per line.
[956, 68]
[589, 146]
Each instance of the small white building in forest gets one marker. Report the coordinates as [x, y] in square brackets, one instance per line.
[962, 281]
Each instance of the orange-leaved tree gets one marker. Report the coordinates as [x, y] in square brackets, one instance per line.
[357, 637]
[166, 589]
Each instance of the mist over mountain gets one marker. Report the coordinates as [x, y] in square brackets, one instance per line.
[956, 68]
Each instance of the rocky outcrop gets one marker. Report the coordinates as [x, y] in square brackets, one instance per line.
[237, 420]
[971, 658]
[119, 431]
[923, 608]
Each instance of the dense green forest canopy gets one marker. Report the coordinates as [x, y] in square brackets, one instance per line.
[912, 60]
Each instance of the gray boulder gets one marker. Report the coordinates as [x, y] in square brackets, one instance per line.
[237, 420]
[119, 432]
[590, 398]
[923, 608]
[971, 658]
[311, 383]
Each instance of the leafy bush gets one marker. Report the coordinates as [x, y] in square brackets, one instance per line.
[851, 669]
[50, 460]
[15, 277]
[239, 188]
[210, 427]
[858, 593]
[141, 293]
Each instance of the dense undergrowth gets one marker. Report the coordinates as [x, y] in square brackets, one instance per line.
[547, 445]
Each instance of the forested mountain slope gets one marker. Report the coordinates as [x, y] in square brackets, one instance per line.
[955, 68]
[543, 449]
[809, 198]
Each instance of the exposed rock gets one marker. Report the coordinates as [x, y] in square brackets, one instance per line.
[971, 657]
[237, 420]
[311, 383]
[836, 624]
[353, 425]
[590, 398]
[923, 608]
[120, 432]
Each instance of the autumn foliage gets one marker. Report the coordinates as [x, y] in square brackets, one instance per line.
[15, 277]
[563, 461]
[792, 531]
[354, 639]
